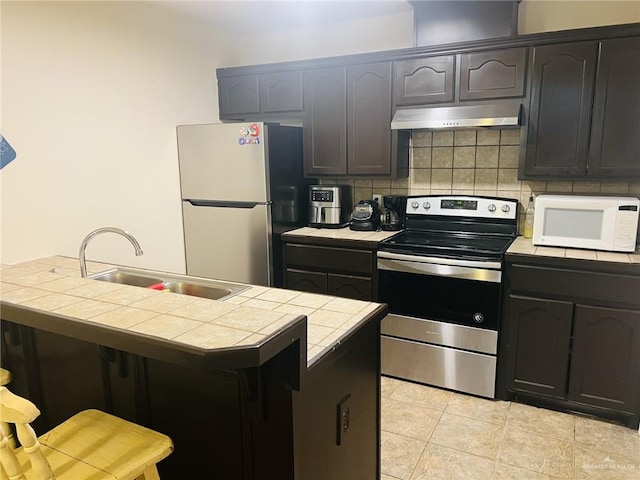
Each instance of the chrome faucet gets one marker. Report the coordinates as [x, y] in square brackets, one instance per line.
[87, 239]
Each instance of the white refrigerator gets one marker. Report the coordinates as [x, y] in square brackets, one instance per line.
[242, 186]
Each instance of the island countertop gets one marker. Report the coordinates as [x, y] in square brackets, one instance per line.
[254, 323]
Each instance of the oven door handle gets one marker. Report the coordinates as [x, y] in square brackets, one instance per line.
[443, 261]
[437, 269]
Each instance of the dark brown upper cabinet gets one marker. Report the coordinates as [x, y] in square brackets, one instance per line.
[562, 84]
[584, 117]
[281, 92]
[495, 74]
[347, 122]
[263, 96]
[424, 80]
[614, 150]
[369, 119]
[482, 75]
[325, 122]
[238, 95]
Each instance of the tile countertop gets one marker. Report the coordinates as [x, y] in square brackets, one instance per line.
[53, 285]
[342, 234]
[524, 246]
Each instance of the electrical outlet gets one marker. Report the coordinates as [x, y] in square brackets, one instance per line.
[343, 417]
[378, 198]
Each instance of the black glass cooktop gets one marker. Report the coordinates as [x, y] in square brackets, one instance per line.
[448, 244]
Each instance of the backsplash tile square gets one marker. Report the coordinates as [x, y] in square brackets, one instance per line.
[464, 157]
[441, 178]
[442, 157]
[464, 137]
[421, 138]
[486, 179]
[509, 156]
[421, 157]
[488, 137]
[487, 157]
[443, 138]
[463, 178]
[508, 179]
[510, 137]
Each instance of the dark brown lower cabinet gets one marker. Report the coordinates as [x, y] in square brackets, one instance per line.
[567, 346]
[343, 271]
[539, 341]
[605, 361]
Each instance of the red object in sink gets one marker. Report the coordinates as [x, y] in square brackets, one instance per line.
[157, 286]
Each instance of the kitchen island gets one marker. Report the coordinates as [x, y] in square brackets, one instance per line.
[264, 384]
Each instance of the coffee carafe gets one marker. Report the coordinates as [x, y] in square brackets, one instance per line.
[393, 212]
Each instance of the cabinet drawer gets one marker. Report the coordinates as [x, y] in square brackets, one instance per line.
[580, 285]
[350, 286]
[330, 259]
[314, 282]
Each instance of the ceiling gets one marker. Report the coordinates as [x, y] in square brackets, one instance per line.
[271, 15]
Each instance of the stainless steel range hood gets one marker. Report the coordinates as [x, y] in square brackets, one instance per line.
[503, 114]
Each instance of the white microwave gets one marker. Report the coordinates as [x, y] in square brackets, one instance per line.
[591, 222]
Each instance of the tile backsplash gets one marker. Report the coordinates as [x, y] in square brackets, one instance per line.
[473, 162]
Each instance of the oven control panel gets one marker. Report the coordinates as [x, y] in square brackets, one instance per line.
[462, 206]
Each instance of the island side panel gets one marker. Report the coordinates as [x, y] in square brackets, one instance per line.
[345, 381]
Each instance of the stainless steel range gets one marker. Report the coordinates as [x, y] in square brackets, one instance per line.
[441, 278]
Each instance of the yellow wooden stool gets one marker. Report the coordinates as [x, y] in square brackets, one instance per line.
[91, 445]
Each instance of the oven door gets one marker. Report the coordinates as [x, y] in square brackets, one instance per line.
[450, 291]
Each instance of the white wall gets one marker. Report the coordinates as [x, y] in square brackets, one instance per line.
[91, 93]
[536, 16]
[340, 38]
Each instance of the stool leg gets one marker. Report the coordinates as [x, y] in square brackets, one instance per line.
[6, 431]
[31, 446]
[8, 460]
[150, 473]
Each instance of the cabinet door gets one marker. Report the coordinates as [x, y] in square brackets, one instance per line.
[615, 130]
[238, 95]
[325, 122]
[349, 286]
[539, 339]
[423, 81]
[497, 74]
[369, 119]
[305, 281]
[605, 364]
[281, 92]
[560, 114]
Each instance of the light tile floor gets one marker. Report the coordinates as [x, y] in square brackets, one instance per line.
[428, 433]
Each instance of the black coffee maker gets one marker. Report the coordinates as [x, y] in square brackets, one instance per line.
[393, 212]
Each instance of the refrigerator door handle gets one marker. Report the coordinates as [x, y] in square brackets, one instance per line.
[222, 203]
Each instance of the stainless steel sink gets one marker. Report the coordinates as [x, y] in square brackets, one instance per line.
[185, 285]
[117, 276]
[203, 291]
